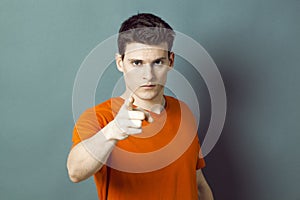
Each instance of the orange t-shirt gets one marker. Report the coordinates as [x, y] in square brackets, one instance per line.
[159, 163]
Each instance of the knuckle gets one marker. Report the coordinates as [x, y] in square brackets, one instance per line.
[137, 123]
[141, 114]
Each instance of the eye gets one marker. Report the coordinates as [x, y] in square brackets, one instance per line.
[136, 62]
[158, 62]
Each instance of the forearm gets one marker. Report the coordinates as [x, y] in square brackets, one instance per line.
[205, 193]
[87, 157]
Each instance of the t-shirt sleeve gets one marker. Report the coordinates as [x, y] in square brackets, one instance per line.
[200, 160]
[200, 163]
[88, 124]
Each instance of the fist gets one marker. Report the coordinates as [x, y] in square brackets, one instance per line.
[128, 121]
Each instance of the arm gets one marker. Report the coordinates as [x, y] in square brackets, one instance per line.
[204, 191]
[88, 156]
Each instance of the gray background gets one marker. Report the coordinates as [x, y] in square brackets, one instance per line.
[254, 43]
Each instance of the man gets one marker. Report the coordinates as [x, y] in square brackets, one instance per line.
[142, 121]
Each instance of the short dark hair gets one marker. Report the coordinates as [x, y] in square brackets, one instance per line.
[145, 28]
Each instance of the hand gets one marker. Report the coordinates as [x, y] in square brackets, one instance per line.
[127, 122]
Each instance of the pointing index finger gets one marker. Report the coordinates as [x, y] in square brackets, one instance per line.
[147, 115]
[129, 106]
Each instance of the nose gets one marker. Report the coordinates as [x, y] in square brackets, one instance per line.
[148, 73]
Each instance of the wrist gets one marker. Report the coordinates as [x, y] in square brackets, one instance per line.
[112, 132]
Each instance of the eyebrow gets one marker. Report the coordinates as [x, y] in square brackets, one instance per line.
[161, 58]
[133, 59]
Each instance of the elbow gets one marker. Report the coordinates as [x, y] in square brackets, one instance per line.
[73, 176]
[74, 179]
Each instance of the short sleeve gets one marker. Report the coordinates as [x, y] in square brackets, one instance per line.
[88, 124]
[200, 160]
[200, 163]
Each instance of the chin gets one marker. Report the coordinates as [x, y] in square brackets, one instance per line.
[147, 96]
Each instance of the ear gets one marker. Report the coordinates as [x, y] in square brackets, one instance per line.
[171, 60]
[119, 62]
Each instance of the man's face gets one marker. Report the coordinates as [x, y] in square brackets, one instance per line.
[145, 69]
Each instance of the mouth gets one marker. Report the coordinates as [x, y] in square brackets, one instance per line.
[148, 86]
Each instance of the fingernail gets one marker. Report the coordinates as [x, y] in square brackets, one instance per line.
[150, 119]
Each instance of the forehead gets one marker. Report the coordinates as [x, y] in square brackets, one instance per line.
[144, 51]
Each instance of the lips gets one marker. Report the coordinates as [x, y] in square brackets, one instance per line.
[148, 86]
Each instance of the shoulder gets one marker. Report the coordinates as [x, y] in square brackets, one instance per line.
[172, 102]
[178, 107]
[111, 105]
[104, 110]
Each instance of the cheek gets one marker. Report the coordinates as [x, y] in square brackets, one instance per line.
[162, 74]
[132, 76]
[161, 79]
[133, 71]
